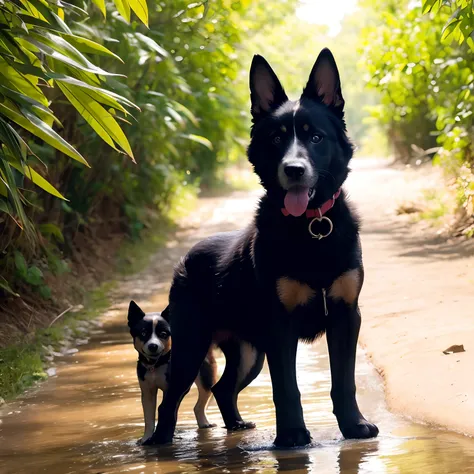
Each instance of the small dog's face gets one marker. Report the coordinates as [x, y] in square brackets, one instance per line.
[299, 149]
[151, 332]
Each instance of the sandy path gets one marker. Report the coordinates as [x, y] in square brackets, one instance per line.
[418, 299]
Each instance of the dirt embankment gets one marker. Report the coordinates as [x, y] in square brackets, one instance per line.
[417, 301]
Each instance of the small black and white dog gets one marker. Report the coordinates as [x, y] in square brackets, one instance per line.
[152, 340]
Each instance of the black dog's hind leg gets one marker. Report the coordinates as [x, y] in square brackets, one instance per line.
[243, 364]
[342, 333]
[191, 341]
[281, 355]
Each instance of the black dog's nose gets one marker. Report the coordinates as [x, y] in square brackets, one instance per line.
[152, 348]
[294, 171]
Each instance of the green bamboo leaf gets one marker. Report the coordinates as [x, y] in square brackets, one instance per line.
[152, 44]
[470, 43]
[12, 141]
[21, 82]
[59, 49]
[186, 112]
[4, 283]
[13, 47]
[28, 102]
[32, 20]
[140, 9]
[197, 138]
[3, 190]
[8, 180]
[27, 70]
[449, 29]
[427, 5]
[47, 14]
[37, 179]
[85, 45]
[101, 5]
[101, 95]
[37, 127]
[98, 118]
[72, 8]
[123, 8]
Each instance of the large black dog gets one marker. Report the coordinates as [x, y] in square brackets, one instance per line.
[294, 273]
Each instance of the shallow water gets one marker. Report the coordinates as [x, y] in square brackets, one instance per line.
[87, 418]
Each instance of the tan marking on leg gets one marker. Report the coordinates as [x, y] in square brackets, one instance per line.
[346, 287]
[204, 396]
[248, 358]
[293, 293]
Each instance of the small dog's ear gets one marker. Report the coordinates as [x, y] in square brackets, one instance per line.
[324, 84]
[266, 92]
[166, 314]
[135, 314]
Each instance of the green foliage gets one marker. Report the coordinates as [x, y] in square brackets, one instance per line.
[425, 78]
[39, 52]
[174, 103]
[460, 25]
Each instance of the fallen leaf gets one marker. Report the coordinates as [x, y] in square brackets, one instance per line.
[454, 349]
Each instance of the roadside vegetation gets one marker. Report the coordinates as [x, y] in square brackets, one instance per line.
[420, 60]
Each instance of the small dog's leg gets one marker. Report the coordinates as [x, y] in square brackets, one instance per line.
[204, 397]
[342, 333]
[205, 381]
[149, 395]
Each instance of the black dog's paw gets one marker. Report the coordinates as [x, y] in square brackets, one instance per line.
[206, 427]
[242, 425]
[361, 429]
[158, 438]
[292, 438]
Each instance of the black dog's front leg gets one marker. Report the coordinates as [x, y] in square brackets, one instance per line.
[342, 334]
[281, 356]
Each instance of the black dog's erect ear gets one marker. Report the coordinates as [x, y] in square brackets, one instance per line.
[324, 84]
[135, 314]
[266, 92]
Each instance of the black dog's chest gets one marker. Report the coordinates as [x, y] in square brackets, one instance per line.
[307, 261]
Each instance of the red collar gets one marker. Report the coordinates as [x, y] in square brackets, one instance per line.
[320, 211]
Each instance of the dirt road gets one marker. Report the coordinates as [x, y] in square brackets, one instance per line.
[418, 300]
[415, 303]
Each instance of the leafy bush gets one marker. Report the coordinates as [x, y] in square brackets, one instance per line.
[174, 98]
[423, 67]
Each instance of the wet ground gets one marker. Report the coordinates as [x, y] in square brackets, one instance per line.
[87, 418]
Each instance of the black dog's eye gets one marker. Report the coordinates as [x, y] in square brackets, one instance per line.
[276, 140]
[144, 333]
[163, 335]
[316, 138]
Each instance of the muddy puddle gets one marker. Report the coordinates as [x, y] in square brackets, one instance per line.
[87, 418]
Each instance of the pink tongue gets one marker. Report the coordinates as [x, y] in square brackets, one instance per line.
[296, 200]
